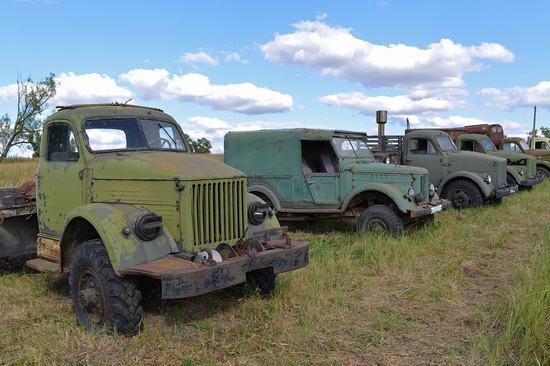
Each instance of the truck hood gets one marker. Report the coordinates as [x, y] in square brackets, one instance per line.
[156, 165]
[474, 162]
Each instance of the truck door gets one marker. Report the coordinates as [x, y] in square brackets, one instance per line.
[423, 153]
[59, 178]
[320, 173]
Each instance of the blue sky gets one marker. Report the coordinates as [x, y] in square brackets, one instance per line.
[218, 66]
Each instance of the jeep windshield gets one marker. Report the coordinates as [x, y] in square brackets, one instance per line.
[132, 134]
[351, 147]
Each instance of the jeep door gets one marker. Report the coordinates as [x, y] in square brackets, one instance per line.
[320, 173]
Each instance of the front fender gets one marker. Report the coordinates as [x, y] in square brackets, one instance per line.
[271, 221]
[267, 191]
[389, 190]
[486, 188]
[125, 250]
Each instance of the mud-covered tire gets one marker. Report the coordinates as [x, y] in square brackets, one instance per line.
[380, 218]
[543, 171]
[100, 297]
[463, 194]
[262, 279]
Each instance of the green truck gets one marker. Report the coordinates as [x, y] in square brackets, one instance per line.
[517, 144]
[465, 178]
[307, 174]
[521, 168]
[119, 199]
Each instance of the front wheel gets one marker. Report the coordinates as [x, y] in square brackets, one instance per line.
[463, 194]
[262, 279]
[100, 297]
[543, 172]
[380, 218]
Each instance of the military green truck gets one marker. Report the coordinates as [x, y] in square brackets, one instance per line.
[521, 168]
[307, 174]
[517, 144]
[539, 143]
[465, 178]
[120, 199]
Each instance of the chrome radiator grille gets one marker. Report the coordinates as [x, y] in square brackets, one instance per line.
[219, 211]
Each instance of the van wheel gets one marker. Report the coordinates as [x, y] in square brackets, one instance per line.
[543, 172]
[380, 218]
[463, 194]
[100, 297]
[262, 279]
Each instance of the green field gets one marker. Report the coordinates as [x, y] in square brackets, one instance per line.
[473, 288]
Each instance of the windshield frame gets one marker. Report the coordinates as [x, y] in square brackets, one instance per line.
[132, 134]
[362, 152]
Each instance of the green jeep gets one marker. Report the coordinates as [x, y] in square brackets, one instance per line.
[311, 174]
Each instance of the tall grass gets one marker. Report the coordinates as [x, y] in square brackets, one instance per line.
[15, 171]
[471, 288]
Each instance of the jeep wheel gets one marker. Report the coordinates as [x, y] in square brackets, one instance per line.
[380, 218]
[463, 194]
[100, 297]
[543, 172]
[262, 279]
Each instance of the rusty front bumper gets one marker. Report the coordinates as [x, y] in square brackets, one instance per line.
[430, 209]
[181, 278]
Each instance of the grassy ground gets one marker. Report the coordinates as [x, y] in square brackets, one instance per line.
[471, 289]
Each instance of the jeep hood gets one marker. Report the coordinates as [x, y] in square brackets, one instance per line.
[156, 165]
[474, 162]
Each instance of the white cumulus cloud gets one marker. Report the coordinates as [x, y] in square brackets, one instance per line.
[89, 88]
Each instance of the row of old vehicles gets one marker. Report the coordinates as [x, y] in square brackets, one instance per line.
[119, 201]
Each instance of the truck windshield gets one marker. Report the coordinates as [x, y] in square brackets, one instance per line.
[351, 147]
[132, 134]
[445, 143]
[488, 144]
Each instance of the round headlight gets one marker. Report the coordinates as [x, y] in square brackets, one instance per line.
[147, 226]
[410, 192]
[387, 160]
[488, 179]
[521, 172]
[431, 191]
[257, 212]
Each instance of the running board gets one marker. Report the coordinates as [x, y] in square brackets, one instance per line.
[43, 265]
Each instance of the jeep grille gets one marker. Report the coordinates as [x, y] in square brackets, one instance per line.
[219, 211]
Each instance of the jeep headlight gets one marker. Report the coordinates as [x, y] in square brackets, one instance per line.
[521, 172]
[147, 226]
[387, 160]
[431, 189]
[410, 192]
[488, 179]
[257, 212]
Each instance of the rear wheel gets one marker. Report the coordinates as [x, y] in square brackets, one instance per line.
[463, 194]
[543, 171]
[100, 297]
[380, 218]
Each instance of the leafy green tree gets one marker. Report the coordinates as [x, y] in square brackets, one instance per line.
[32, 100]
[545, 131]
[201, 146]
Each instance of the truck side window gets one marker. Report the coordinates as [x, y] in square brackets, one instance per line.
[467, 145]
[422, 147]
[61, 144]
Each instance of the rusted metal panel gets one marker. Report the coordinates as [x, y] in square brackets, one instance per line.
[48, 247]
[188, 282]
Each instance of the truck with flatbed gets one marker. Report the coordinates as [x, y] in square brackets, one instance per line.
[120, 200]
[465, 178]
[311, 174]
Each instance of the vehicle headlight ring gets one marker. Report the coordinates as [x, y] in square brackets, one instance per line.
[257, 212]
[147, 226]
